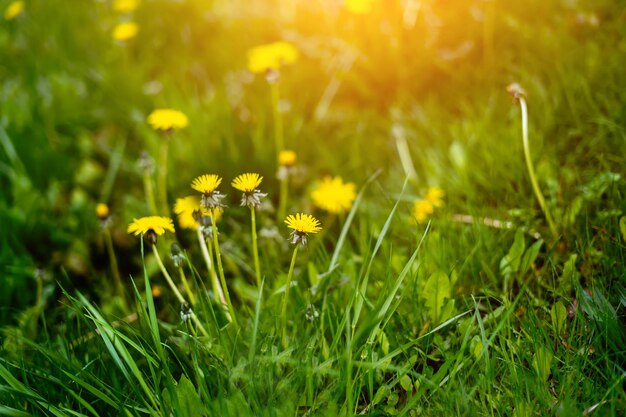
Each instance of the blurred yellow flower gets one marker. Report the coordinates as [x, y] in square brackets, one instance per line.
[206, 184]
[422, 209]
[125, 6]
[167, 119]
[271, 56]
[14, 10]
[186, 208]
[125, 31]
[333, 195]
[156, 224]
[102, 211]
[247, 182]
[157, 291]
[435, 196]
[287, 158]
[359, 6]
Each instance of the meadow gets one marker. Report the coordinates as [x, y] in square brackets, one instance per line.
[312, 208]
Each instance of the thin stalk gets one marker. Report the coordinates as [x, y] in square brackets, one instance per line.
[278, 120]
[183, 278]
[283, 314]
[149, 190]
[113, 262]
[531, 170]
[162, 174]
[206, 254]
[177, 293]
[255, 247]
[284, 195]
[220, 269]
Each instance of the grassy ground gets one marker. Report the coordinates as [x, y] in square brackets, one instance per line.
[480, 310]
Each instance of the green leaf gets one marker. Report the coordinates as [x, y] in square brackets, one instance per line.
[542, 361]
[530, 255]
[436, 291]
[406, 383]
[476, 346]
[558, 313]
[622, 227]
[510, 262]
[189, 401]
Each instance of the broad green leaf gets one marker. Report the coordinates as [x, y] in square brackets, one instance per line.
[436, 290]
[558, 313]
[542, 361]
[188, 399]
[510, 262]
[530, 255]
[622, 227]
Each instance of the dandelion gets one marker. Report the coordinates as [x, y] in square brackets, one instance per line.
[422, 209]
[125, 31]
[189, 210]
[301, 225]
[167, 119]
[519, 96]
[359, 6]
[272, 56]
[287, 158]
[151, 227]
[212, 201]
[248, 183]
[125, 6]
[435, 195]
[333, 195]
[207, 185]
[14, 10]
[102, 211]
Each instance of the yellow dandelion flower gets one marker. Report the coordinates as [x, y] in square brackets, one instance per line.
[167, 119]
[125, 6]
[125, 31]
[157, 291]
[301, 225]
[435, 196]
[187, 208]
[206, 184]
[102, 211]
[14, 10]
[271, 57]
[287, 158]
[422, 209]
[156, 224]
[247, 182]
[359, 6]
[333, 195]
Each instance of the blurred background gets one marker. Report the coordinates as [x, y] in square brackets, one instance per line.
[74, 102]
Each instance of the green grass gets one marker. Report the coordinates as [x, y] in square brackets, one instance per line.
[388, 317]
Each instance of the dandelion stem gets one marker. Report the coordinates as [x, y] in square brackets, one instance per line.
[149, 190]
[255, 247]
[283, 314]
[206, 253]
[177, 293]
[278, 120]
[183, 278]
[220, 269]
[284, 192]
[531, 170]
[162, 176]
[113, 262]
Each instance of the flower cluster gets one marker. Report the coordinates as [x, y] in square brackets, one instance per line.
[424, 208]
